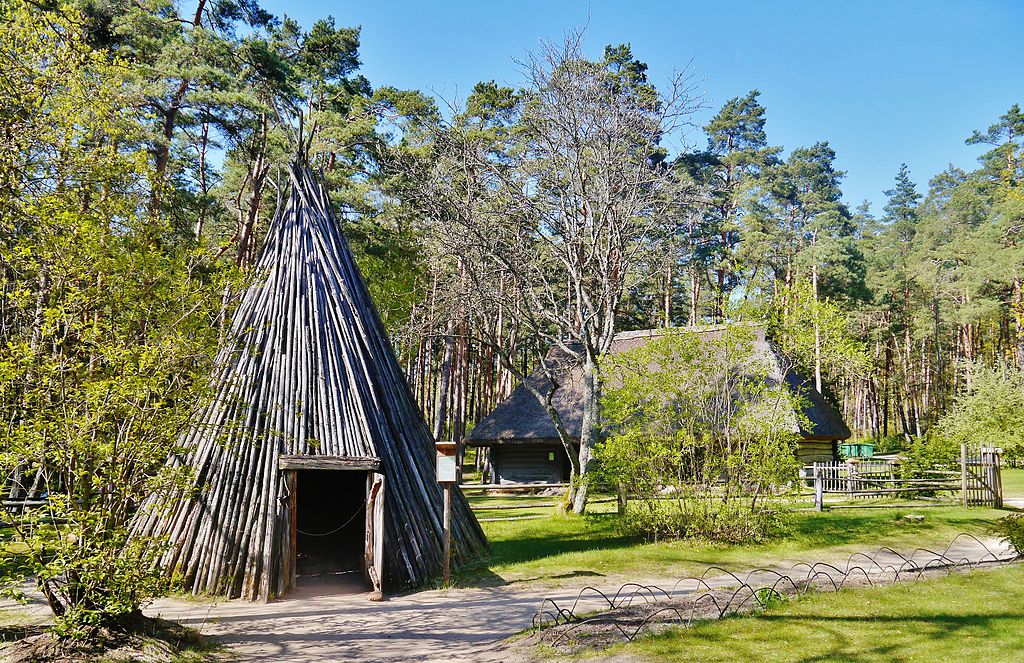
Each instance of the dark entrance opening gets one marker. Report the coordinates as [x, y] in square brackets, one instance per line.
[331, 528]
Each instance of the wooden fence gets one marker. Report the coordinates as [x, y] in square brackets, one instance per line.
[979, 480]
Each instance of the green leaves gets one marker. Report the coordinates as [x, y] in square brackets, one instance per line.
[990, 412]
[108, 336]
[702, 417]
[796, 315]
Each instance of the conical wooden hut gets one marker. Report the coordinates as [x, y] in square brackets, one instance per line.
[312, 445]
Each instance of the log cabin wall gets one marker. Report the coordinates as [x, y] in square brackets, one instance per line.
[816, 451]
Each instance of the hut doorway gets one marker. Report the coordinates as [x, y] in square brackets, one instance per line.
[330, 524]
[336, 536]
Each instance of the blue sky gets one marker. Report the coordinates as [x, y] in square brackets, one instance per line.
[883, 82]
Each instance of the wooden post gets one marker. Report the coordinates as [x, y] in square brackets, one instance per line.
[447, 459]
[963, 472]
[818, 489]
[621, 499]
[447, 574]
[997, 482]
[375, 534]
[291, 574]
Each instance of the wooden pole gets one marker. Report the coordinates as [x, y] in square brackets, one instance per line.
[997, 479]
[818, 489]
[447, 532]
[963, 473]
[293, 534]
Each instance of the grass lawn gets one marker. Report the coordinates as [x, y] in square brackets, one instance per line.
[469, 472]
[11, 553]
[558, 547]
[977, 616]
[1013, 482]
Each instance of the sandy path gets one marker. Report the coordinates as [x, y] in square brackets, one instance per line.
[458, 625]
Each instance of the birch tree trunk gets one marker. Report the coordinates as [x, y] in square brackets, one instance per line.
[590, 431]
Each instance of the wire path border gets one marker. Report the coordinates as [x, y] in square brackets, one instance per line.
[800, 579]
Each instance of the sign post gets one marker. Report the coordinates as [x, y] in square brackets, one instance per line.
[446, 477]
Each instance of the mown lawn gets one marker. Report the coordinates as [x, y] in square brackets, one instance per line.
[12, 556]
[977, 616]
[558, 547]
[1013, 483]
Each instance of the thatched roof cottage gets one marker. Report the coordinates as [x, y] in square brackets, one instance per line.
[524, 446]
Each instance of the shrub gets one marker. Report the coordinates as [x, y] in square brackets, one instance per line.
[707, 420]
[108, 333]
[1011, 529]
[990, 412]
[889, 444]
[732, 521]
[932, 451]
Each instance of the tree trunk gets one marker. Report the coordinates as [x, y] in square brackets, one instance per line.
[589, 435]
[204, 186]
[817, 331]
[441, 410]
[1018, 319]
[162, 156]
[247, 240]
[667, 298]
[938, 390]
[886, 389]
[694, 295]
[720, 297]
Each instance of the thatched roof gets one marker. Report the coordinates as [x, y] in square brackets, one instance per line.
[309, 372]
[520, 418]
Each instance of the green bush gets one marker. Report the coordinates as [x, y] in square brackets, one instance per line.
[702, 434]
[889, 444]
[933, 451]
[1011, 528]
[702, 420]
[733, 521]
[990, 412]
[109, 330]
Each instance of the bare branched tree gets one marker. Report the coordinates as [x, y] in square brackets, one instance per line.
[554, 205]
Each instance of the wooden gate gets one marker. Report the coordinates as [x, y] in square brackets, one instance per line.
[981, 475]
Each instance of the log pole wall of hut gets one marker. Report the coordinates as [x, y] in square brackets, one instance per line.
[308, 371]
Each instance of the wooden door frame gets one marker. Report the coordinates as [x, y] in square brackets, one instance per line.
[373, 539]
[290, 467]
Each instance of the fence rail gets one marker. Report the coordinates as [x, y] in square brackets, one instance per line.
[979, 480]
[510, 487]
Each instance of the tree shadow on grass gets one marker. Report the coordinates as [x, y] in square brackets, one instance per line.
[591, 533]
[804, 535]
[931, 631]
[832, 529]
[849, 638]
[575, 534]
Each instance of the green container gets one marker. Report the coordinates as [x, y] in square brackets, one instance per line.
[857, 450]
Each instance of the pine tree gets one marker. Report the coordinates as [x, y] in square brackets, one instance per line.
[739, 155]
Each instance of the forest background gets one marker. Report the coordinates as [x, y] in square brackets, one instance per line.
[889, 312]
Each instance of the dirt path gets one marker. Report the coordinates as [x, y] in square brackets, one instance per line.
[458, 625]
